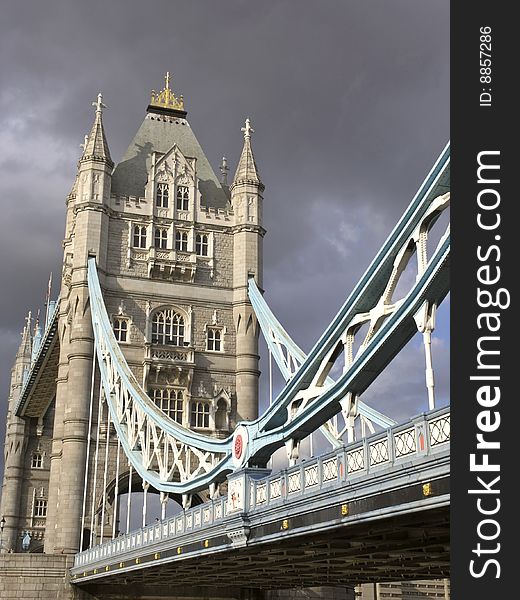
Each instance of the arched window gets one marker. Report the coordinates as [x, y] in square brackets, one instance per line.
[181, 241]
[201, 244]
[170, 401]
[168, 328]
[37, 460]
[161, 195]
[200, 414]
[214, 339]
[160, 238]
[139, 240]
[121, 329]
[183, 198]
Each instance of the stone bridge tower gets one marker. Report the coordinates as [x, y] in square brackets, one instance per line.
[175, 246]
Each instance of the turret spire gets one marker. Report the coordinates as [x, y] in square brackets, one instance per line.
[25, 349]
[247, 171]
[95, 145]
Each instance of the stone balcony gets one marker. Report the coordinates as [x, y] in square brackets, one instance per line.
[169, 355]
[167, 264]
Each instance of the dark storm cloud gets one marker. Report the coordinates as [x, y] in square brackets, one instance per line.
[349, 100]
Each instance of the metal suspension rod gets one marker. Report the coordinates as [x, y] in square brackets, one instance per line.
[430, 381]
[270, 377]
[129, 499]
[164, 502]
[146, 485]
[105, 470]
[87, 458]
[270, 463]
[115, 512]
[100, 407]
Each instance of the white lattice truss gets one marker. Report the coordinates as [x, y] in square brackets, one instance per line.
[161, 451]
[375, 317]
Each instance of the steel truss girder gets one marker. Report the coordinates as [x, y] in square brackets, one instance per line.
[289, 356]
[160, 450]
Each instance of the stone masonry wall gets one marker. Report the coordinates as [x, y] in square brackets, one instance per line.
[37, 577]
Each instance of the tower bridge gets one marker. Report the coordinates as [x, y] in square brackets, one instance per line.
[145, 380]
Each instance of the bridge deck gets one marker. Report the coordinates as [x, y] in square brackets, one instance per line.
[388, 519]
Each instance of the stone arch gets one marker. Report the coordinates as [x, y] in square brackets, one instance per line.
[169, 321]
[222, 410]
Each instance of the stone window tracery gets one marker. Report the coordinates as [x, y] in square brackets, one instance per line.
[120, 327]
[161, 238]
[168, 328]
[170, 401]
[139, 237]
[181, 241]
[200, 415]
[214, 339]
[161, 195]
[40, 508]
[183, 197]
[202, 244]
[37, 460]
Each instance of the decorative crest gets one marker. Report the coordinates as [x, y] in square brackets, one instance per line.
[248, 130]
[167, 98]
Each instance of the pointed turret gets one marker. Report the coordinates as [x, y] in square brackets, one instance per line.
[95, 145]
[15, 443]
[86, 234]
[246, 200]
[247, 171]
[25, 348]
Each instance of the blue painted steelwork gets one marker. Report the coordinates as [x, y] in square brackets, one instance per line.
[340, 475]
[135, 415]
[38, 358]
[269, 323]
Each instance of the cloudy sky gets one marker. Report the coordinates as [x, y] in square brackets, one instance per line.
[349, 100]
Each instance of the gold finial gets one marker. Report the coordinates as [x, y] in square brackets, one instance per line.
[166, 98]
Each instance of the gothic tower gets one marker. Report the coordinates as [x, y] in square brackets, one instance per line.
[15, 442]
[174, 248]
[246, 200]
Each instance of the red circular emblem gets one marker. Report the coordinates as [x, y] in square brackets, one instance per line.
[238, 446]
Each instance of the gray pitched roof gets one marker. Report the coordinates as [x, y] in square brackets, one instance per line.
[158, 134]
